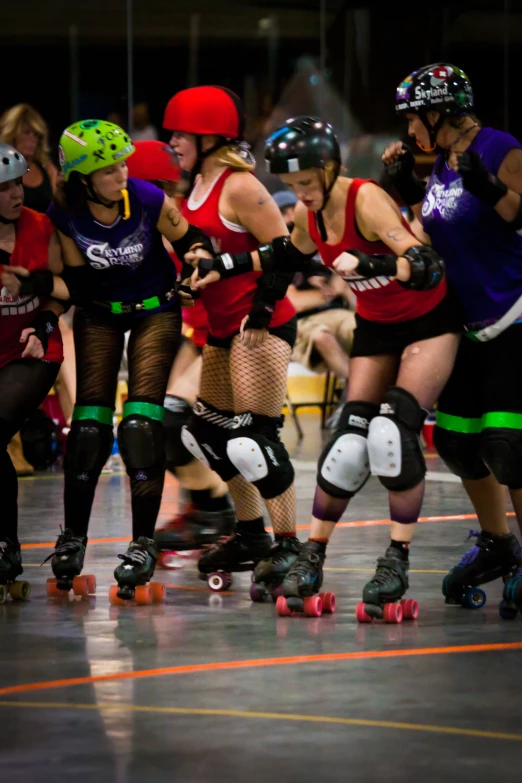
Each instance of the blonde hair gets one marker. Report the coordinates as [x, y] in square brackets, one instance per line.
[12, 123]
[230, 156]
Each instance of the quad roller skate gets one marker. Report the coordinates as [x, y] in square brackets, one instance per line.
[491, 558]
[67, 563]
[268, 575]
[10, 568]
[511, 603]
[134, 575]
[302, 584]
[189, 532]
[240, 552]
[382, 596]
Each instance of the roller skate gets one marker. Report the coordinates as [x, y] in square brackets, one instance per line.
[134, 575]
[382, 596]
[511, 603]
[10, 568]
[67, 563]
[240, 552]
[491, 558]
[190, 532]
[267, 579]
[302, 584]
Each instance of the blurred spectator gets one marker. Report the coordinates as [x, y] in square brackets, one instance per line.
[24, 128]
[286, 201]
[143, 130]
[117, 118]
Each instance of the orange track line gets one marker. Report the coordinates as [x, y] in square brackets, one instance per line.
[260, 662]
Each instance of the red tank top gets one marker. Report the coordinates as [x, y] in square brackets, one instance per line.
[379, 299]
[33, 234]
[228, 301]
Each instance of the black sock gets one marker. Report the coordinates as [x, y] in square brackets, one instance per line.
[202, 498]
[322, 543]
[402, 546]
[251, 527]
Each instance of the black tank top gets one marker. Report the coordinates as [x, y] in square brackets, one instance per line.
[40, 197]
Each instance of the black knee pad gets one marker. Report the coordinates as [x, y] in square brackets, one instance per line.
[393, 441]
[344, 466]
[177, 414]
[142, 438]
[460, 452]
[206, 435]
[89, 445]
[258, 454]
[501, 450]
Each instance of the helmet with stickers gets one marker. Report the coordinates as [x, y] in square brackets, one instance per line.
[439, 87]
[90, 145]
[12, 163]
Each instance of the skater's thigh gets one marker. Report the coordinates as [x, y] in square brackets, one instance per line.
[98, 344]
[259, 375]
[24, 384]
[371, 377]
[214, 385]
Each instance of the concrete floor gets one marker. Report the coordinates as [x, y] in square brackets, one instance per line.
[211, 687]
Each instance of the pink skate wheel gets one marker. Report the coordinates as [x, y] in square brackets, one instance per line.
[257, 593]
[219, 581]
[410, 609]
[281, 607]
[313, 606]
[360, 614]
[329, 602]
[392, 613]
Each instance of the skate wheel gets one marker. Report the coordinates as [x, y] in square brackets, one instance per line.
[3, 594]
[114, 598]
[53, 591]
[410, 609]
[392, 613]
[360, 614]
[474, 598]
[170, 560]
[143, 595]
[219, 581]
[158, 592]
[257, 593]
[276, 592]
[80, 585]
[507, 611]
[329, 602]
[91, 583]
[282, 609]
[19, 591]
[313, 606]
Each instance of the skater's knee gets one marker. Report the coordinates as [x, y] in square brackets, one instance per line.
[205, 437]
[393, 441]
[256, 451]
[501, 450]
[141, 437]
[343, 465]
[461, 452]
[89, 442]
[177, 415]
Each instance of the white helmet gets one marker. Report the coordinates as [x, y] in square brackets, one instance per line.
[12, 163]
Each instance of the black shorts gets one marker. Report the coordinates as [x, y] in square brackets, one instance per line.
[486, 378]
[372, 338]
[286, 332]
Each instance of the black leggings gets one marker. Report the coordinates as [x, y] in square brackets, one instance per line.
[24, 384]
[99, 341]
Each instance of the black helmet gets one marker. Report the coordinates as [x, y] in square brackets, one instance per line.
[302, 143]
[439, 87]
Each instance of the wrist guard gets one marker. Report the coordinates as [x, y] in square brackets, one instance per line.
[404, 179]
[44, 324]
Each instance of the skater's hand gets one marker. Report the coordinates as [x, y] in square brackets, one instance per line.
[34, 348]
[197, 283]
[346, 264]
[393, 152]
[252, 338]
[9, 279]
[185, 299]
[193, 256]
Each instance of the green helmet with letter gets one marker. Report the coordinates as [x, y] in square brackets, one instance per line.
[90, 145]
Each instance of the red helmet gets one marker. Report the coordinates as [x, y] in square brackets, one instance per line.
[153, 161]
[206, 111]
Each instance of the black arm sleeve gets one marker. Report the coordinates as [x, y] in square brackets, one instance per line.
[38, 283]
[406, 182]
[82, 283]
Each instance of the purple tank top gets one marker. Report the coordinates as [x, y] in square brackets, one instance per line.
[483, 255]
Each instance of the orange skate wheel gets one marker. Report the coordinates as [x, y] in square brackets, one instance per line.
[143, 595]
[91, 583]
[313, 606]
[410, 609]
[158, 592]
[361, 615]
[20, 591]
[114, 599]
[80, 585]
[53, 591]
[329, 602]
[281, 607]
[392, 613]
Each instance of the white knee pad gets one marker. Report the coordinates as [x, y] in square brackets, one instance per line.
[246, 455]
[346, 465]
[192, 446]
[384, 447]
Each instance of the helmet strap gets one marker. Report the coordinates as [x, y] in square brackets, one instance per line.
[6, 222]
[93, 196]
[326, 197]
[202, 154]
[432, 131]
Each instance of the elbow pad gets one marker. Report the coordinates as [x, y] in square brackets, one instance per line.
[427, 268]
[282, 256]
[192, 236]
[270, 289]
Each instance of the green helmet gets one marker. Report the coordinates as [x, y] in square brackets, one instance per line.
[90, 145]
